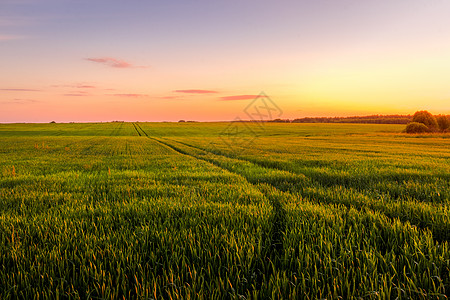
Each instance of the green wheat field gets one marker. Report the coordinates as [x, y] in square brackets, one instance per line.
[223, 211]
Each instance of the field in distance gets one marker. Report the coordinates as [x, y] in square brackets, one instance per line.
[223, 211]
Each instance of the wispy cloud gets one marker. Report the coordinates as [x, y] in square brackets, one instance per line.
[74, 86]
[114, 62]
[76, 95]
[11, 37]
[20, 90]
[19, 101]
[240, 97]
[196, 91]
[86, 87]
[24, 100]
[130, 95]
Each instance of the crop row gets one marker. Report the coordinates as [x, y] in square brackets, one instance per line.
[113, 217]
[392, 239]
[435, 217]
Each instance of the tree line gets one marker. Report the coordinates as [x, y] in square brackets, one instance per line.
[372, 119]
[425, 122]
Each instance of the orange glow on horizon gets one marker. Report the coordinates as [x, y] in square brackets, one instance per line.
[312, 59]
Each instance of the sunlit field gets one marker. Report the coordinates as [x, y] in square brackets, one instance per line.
[223, 211]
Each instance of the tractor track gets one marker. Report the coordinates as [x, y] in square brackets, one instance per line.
[439, 234]
[274, 238]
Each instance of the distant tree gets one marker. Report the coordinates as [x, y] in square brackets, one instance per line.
[426, 118]
[373, 119]
[181, 121]
[415, 127]
[52, 122]
[443, 122]
[279, 121]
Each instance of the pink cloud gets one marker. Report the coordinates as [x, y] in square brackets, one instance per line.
[76, 86]
[130, 95]
[113, 62]
[196, 91]
[86, 87]
[20, 90]
[76, 95]
[10, 37]
[21, 101]
[240, 97]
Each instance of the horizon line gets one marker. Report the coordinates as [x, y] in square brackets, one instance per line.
[212, 121]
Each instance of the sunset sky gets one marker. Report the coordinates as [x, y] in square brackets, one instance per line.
[148, 60]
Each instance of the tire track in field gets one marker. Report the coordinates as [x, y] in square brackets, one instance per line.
[278, 219]
[416, 215]
[136, 128]
[139, 130]
[134, 125]
[271, 258]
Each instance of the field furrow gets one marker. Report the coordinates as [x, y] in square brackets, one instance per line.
[436, 218]
[169, 211]
[286, 199]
